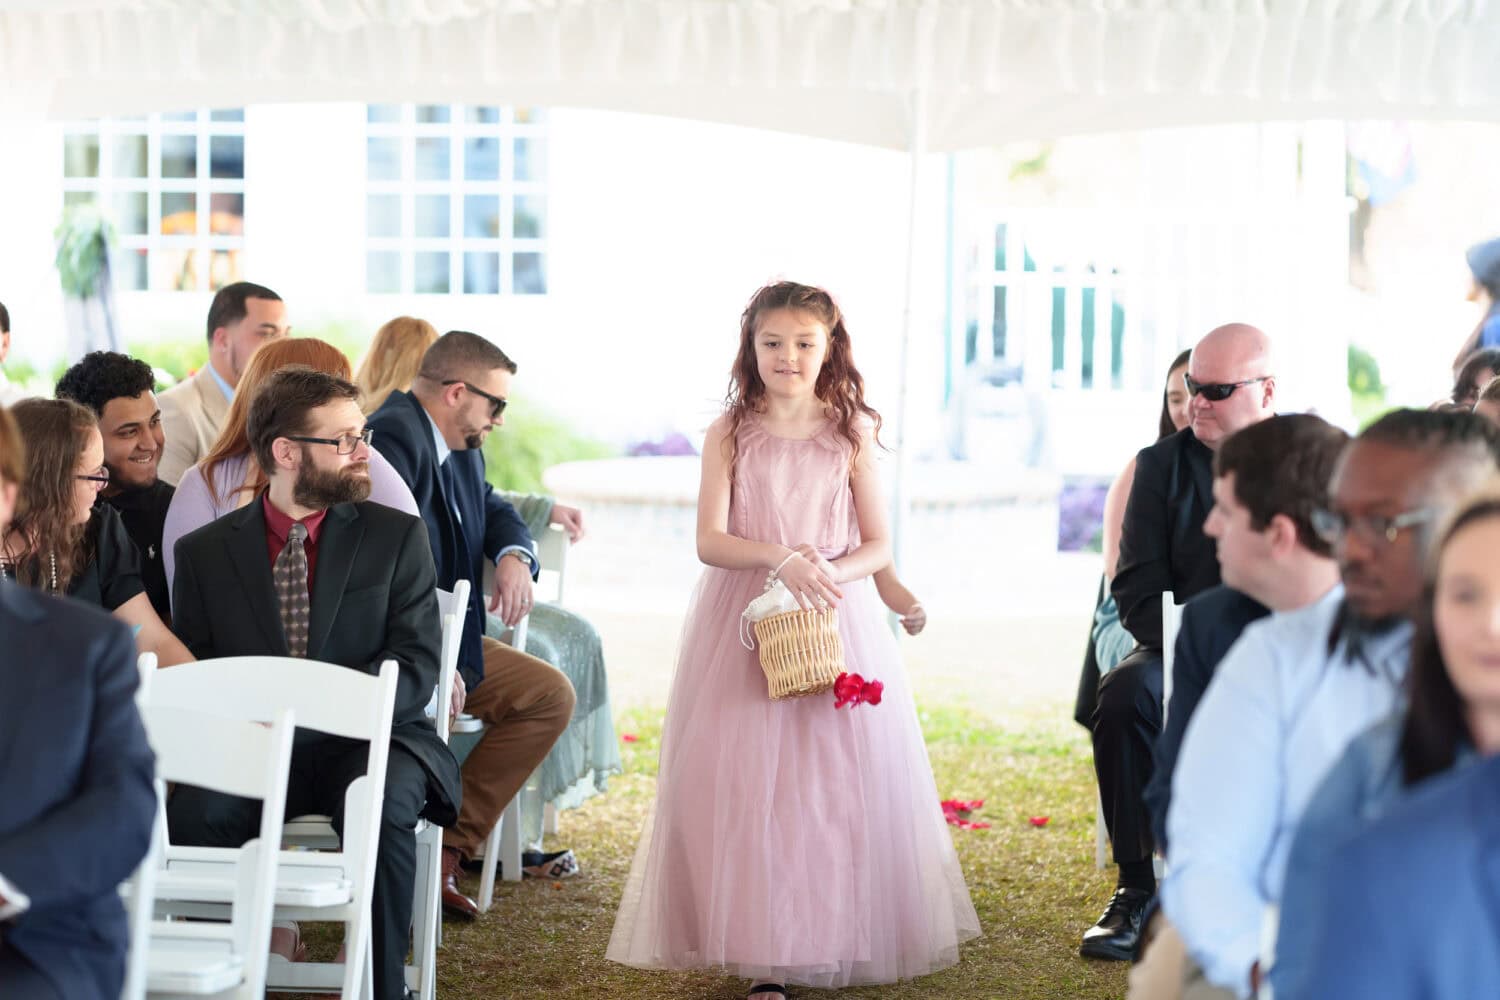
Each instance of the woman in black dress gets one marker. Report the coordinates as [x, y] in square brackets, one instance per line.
[62, 541]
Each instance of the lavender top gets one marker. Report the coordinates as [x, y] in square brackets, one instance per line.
[193, 506]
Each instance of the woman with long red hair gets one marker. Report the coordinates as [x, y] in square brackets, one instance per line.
[792, 843]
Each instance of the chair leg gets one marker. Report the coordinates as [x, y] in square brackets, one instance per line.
[549, 819]
[426, 915]
[501, 849]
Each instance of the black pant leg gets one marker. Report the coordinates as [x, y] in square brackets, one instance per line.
[1127, 722]
[396, 853]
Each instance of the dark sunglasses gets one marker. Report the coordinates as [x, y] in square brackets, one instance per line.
[1217, 392]
[347, 444]
[497, 405]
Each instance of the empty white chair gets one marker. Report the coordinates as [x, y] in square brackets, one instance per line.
[333, 885]
[141, 885]
[225, 959]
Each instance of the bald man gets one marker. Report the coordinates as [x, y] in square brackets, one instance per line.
[1163, 548]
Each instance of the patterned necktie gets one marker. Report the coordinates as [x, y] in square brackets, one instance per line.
[290, 576]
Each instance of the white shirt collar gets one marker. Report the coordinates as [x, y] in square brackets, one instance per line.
[443, 451]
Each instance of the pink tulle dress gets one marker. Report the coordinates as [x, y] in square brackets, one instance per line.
[792, 841]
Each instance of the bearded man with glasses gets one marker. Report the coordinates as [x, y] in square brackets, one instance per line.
[1163, 548]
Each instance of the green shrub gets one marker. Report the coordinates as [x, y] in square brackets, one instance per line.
[1364, 373]
[532, 440]
[176, 359]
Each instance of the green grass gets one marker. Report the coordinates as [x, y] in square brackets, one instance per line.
[1035, 889]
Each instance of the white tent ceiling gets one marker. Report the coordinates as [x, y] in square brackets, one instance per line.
[986, 70]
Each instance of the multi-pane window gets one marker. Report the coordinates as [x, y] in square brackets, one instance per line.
[456, 199]
[174, 186]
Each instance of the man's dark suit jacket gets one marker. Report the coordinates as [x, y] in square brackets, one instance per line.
[373, 598]
[463, 550]
[1162, 544]
[1211, 622]
[77, 805]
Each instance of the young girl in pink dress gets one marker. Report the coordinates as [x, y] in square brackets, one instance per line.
[792, 843]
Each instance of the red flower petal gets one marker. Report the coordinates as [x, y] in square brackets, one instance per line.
[871, 692]
[629, 737]
[1039, 820]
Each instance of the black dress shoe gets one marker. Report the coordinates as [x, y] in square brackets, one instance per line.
[1116, 935]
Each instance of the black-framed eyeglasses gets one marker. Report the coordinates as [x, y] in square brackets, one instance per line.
[99, 475]
[1332, 525]
[497, 405]
[345, 444]
[1217, 392]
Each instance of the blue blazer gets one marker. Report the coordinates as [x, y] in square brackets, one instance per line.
[1411, 903]
[77, 805]
[463, 550]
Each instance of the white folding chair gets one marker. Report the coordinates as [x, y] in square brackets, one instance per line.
[224, 959]
[503, 845]
[140, 887]
[1171, 622]
[332, 885]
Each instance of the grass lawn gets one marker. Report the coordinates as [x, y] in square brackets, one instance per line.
[1036, 889]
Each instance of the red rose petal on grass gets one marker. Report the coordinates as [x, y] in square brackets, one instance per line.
[629, 737]
[1039, 820]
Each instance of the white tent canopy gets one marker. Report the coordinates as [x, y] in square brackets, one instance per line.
[988, 70]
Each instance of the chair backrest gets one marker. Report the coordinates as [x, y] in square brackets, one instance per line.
[552, 552]
[453, 608]
[326, 697]
[1171, 621]
[238, 758]
[145, 666]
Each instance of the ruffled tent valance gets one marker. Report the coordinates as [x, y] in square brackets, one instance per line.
[986, 70]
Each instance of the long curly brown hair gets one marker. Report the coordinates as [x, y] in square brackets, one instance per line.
[233, 442]
[839, 385]
[55, 432]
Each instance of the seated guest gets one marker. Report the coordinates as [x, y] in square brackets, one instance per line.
[78, 808]
[241, 318]
[1484, 268]
[1163, 548]
[310, 569]
[1478, 370]
[61, 542]
[1453, 718]
[433, 436]
[1268, 479]
[9, 394]
[1110, 642]
[580, 762]
[119, 389]
[1300, 685]
[1409, 900]
[229, 477]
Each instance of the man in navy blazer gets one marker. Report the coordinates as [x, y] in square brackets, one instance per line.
[78, 804]
[433, 436]
[1412, 901]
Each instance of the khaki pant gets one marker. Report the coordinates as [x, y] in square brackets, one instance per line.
[1167, 972]
[526, 704]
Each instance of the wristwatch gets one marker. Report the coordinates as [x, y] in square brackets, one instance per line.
[519, 554]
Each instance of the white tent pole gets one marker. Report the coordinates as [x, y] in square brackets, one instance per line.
[900, 495]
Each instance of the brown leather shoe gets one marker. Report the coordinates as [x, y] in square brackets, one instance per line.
[455, 902]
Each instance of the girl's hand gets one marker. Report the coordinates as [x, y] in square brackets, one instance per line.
[915, 619]
[812, 555]
[808, 583]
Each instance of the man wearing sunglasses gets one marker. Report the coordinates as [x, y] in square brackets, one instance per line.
[432, 437]
[1163, 548]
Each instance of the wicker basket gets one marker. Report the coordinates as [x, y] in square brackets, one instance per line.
[800, 652]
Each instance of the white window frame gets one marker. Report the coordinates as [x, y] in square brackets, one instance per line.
[105, 187]
[513, 124]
